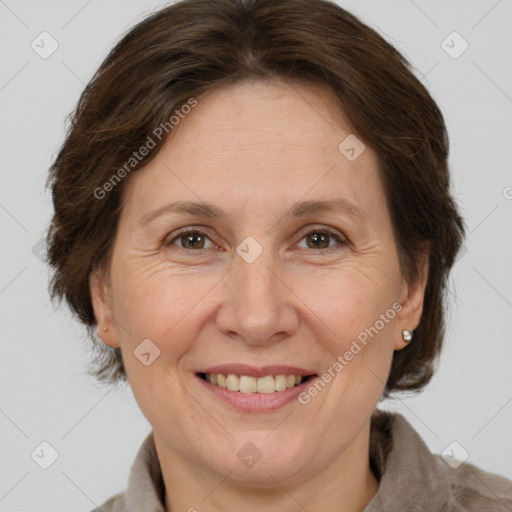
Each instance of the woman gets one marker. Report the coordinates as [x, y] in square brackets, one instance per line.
[252, 210]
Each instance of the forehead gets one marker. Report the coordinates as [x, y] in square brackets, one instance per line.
[284, 117]
[258, 143]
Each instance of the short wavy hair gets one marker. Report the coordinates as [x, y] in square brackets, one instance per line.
[193, 46]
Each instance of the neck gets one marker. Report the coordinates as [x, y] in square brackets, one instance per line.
[347, 483]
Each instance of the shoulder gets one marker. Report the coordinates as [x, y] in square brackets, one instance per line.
[145, 489]
[116, 503]
[474, 489]
[411, 477]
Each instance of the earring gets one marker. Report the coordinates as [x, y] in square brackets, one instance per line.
[407, 335]
[105, 328]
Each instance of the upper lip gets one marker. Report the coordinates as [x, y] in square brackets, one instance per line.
[252, 371]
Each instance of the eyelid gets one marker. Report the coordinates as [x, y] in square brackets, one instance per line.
[320, 228]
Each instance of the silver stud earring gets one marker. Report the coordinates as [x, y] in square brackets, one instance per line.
[407, 335]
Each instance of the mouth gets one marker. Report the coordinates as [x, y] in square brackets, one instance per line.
[266, 384]
[255, 390]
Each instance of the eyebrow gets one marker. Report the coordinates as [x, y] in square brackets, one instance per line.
[299, 209]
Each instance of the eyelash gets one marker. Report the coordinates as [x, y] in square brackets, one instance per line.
[342, 241]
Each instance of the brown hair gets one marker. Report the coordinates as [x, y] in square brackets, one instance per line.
[192, 46]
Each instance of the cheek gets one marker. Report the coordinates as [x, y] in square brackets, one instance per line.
[163, 306]
[352, 315]
[350, 301]
[167, 310]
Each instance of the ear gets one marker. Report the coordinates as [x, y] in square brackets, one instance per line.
[412, 298]
[102, 307]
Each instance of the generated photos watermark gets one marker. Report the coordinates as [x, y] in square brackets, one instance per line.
[143, 151]
[343, 360]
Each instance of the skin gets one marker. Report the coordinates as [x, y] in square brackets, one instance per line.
[254, 149]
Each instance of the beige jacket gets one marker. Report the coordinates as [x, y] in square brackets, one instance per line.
[411, 478]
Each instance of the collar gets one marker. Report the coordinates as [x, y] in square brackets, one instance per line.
[411, 478]
[146, 487]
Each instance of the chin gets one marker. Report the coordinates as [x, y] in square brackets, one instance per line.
[258, 462]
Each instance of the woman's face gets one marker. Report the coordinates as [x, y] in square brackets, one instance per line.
[268, 283]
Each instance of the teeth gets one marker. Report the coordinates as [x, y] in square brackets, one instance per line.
[266, 384]
[280, 382]
[221, 380]
[233, 382]
[247, 384]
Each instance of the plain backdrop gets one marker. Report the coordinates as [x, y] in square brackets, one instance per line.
[45, 394]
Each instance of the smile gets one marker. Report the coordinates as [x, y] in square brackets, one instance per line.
[249, 384]
[254, 389]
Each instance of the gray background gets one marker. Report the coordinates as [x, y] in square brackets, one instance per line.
[45, 394]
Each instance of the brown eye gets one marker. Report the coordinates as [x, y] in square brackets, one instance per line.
[190, 240]
[318, 240]
[321, 239]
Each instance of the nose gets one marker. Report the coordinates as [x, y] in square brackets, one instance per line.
[258, 307]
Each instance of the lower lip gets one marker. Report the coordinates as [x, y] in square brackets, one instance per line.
[256, 402]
